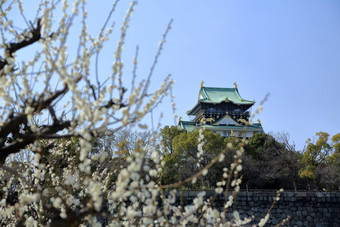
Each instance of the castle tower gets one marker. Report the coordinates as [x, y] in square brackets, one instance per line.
[223, 111]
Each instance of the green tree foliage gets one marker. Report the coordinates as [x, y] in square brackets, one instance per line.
[335, 157]
[256, 144]
[321, 162]
[333, 171]
[167, 135]
[315, 155]
[270, 163]
[182, 162]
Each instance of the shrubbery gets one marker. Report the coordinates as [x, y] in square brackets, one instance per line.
[268, 162]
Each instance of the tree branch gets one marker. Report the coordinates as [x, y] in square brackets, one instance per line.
[22, 140]
[36, 35]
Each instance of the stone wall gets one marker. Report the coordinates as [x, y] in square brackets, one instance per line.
[304, 208]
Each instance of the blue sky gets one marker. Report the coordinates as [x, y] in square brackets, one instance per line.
[288, 48]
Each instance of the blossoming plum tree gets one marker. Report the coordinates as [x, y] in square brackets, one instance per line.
[53, 107]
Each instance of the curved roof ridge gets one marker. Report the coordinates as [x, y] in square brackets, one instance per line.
[203, 93]
[238, 93]
[220, 88]
[219, 94]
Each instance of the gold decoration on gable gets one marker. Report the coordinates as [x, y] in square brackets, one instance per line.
[232, 133]
[243, 121]
[210, 119]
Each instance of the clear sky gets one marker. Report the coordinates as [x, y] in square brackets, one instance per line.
[288, 48]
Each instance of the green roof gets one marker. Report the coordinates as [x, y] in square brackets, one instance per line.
[251, 128]
[218, 95]
[191, 126]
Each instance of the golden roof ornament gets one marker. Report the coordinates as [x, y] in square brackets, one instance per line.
[258, 120]
[235, 85]
[179, 119]
[202, 84]
[231, 133]
[226, 99]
